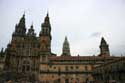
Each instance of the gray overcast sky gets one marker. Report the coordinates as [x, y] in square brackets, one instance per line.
[83, 21]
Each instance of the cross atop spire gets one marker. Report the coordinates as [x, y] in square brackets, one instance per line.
[47, 17]
[24, 14]
[66, 40]
[47, 14]
[22, 20]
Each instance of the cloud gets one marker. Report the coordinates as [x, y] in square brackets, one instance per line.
[83, 21]
[95, 34]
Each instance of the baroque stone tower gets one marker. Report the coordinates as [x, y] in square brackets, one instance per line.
[66, 48]
[22, 53]
[104, 48]
[45, 40]
[45, 35]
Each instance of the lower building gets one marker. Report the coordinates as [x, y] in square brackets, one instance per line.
[70, 69]
[110, 71]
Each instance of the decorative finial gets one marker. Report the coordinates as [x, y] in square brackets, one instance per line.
[47, 14]
[32, 25]
[66, 38]
[24, 14]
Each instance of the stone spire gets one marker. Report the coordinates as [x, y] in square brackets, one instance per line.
[104, 48]
[47, 18]
[31, 31]
[20, 28]
[66, 48]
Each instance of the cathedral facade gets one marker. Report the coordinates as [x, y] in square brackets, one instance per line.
[29, 58]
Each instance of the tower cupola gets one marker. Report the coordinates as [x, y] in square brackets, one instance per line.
[104, 48]
[66, 48]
